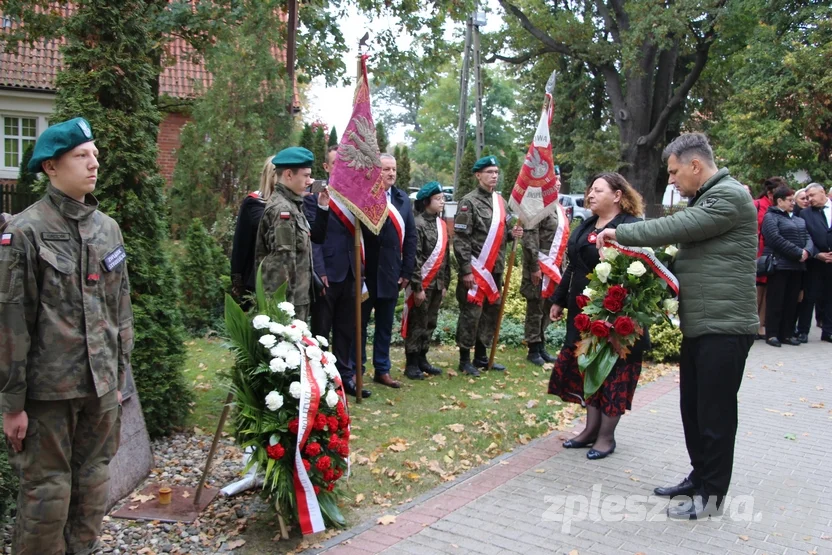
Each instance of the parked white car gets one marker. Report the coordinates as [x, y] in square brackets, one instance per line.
[574, 205]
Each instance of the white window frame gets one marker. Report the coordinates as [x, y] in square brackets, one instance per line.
[20, 138]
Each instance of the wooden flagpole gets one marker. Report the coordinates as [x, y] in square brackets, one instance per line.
[506, 285]
[359, 375]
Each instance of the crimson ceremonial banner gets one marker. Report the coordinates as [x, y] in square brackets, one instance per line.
[356, 175]
[535, 193]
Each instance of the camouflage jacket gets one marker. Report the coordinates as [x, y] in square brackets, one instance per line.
[537, 239]
[284, 245]
[66, 318]
[426, 236]
[473, 218]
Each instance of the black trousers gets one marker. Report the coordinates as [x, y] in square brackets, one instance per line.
[335, 312]
[782, 291]
[711, 370]
[817, 295]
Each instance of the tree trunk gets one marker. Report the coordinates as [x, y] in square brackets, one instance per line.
[641, 166]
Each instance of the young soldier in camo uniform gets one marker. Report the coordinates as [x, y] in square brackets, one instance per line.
[478, 320]
[433, 263]
[284, 237]
[537, 239]
[67, 328]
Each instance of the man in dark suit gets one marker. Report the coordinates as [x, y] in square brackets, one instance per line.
[334, 307]
[819, 291]
[389, 260]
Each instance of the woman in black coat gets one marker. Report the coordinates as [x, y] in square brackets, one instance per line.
[612, 201]
[787, 238]
[243, 273]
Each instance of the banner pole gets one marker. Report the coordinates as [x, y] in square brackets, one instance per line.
[506, 285]
[359, 374]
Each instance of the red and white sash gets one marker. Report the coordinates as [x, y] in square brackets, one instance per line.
[481, 266]
[551, 263]
[398, 224]
[430, 268]
[309, 511]
[348, 219]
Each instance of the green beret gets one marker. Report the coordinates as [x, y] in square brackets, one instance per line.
[294, 157]
[485, 162]
[428, 190]
[59, 139]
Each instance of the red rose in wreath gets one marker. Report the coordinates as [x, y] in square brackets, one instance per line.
[275, 451]
[624, 325]
[293, 426]
[313, 449]
[599, 328]
[617, 292]
[582, 322]
[613, 305]
[581, 301]
[323, 463]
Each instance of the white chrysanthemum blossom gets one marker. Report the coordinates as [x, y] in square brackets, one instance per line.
[637, 269]
[295, 389]
[589, 292]
[260, 322]
[671, 250]
[329, 358]
[609, 253]
[603, 270]
[282, 349]
[287, 307]
[293, 359]
[314, 353]
[307, 333]
[331, 371]
[322, 341]
[671, 306]
[319, 374]
[300, 324]
[278, 365]
[331, 398]
[293, 334]
[274, 401]
[268, 341]
[277, 329]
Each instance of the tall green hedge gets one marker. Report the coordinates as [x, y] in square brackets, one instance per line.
[110, 68]
[201, 271]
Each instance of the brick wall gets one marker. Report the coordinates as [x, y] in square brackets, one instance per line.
[168, 142]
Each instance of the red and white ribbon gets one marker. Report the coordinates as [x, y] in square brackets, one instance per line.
[650, 259]
[429, 270]
[551, 263]
[481, 266]
[309, 511]
[398, 224]
[348, 219]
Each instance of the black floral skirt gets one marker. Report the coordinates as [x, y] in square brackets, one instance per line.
[616, 393]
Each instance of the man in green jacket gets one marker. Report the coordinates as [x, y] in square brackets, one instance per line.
[715, 265]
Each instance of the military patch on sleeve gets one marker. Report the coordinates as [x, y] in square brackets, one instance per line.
[114, 258]
[462, 227]
[708, 202]
[6, 239]
[464, 208]
[54, 236]
[285, 216]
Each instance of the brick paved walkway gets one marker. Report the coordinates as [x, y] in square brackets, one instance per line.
[781, 488]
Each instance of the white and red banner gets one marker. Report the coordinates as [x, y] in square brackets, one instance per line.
[550, 264]
[650, 259]
[535, 193]
[484, 285]
[309, 511]
[429, 270]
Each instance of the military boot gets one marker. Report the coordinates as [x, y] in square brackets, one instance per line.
[534, 354]
[465, 365]
[544, 354]
[411, 368]
[481, 359]
[426, 366]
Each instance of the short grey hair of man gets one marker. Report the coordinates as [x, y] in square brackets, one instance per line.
[386, 156]
[688, 146]
[815, 185]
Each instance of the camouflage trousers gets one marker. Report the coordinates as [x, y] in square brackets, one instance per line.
[423, 322]
[537, 319]
[476, 322]
[64, 474]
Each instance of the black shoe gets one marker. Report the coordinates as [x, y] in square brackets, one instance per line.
[594, 454]
[425, 366]
[411, 368]
[760, 336]
[695, 508]
[349, 389]
[468, 368]
[792, 341]
[685, 487]
[773, 341]
[803, 337]
[575, 444]
[546, 356]
[483, 363]
[534, 357]
[827, 338]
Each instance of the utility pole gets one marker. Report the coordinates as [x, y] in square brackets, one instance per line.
[471, 51]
